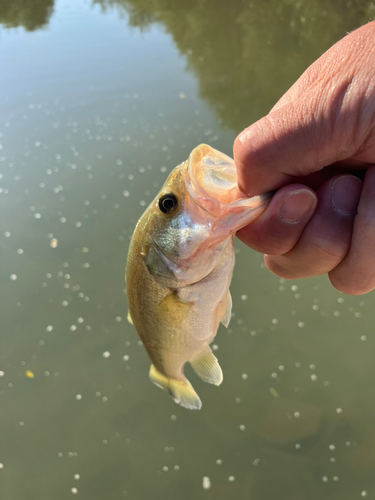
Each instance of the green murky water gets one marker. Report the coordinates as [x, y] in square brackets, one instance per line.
[98, 101]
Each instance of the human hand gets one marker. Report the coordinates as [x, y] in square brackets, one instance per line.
[323, 126]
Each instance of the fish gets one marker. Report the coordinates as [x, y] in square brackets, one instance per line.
[179, 267]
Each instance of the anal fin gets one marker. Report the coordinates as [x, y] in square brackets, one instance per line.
[181, 391]
[207, 367]
[226, 310]
[129, 318]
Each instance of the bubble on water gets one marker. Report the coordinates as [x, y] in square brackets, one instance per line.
[80, 320]
[332, 447]
[173, 417]
[301, 324]
[20, 251]
[339, 410]
[206, 483]
[125, 358]
[243, 297]
[314, 378]
[363, 338]
[325, 479]
[1, 466]
[13, 277]
[275, 321]
[78, 397]
[2, 373]
[118, 319]
[73, 328]
[231, 478]
[49, 328]
[296, 414]
[335, 478]
[37, 215]
[74, 491]
[282, 368]
[294, 288]
[364, 493]
[242, 427]
[298, 446]
[7, 234]
[76, 476]
[244, 376]
[64, 303]
[106, 354]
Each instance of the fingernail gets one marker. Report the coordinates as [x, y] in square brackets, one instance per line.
[296, 206]
[346, 191]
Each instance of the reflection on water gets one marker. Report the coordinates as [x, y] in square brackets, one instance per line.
[30, 15]
[93, 114]
[245, 54]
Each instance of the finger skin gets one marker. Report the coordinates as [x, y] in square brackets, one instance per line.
[279, 227]
[327, 116]
[326, 238]
[355, 275]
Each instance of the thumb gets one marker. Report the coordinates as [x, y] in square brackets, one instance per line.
[293, 141]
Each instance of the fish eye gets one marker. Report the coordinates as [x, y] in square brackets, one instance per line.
[168, 203]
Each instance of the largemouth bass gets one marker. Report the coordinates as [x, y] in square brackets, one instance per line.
[180, 265]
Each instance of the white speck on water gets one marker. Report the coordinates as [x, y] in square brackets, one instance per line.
[80, 320]
[339, 410]
[244, 376]
[76, 476]
[243, 297]
[313, 377]
[206, 483]
[78, 397]
[7, 234]
[73, 328]
[275, 321]
[1, 466]
[173, 417]
[106, 354]
[242, 427]
[332, 447]
[165, 468]
[340, 300]
[301, 324]
[125, 358]
[49, 328]
[296, 414]
[335, 478]
[363, 338]
[325, 479]
[231, 479]
[74, 491]
[20, 251]
[282, 368]
[312, 367]
[176, 467]
[219, 461]
[2, 374]
[13, 277]
[315, 307]
[332, 459]
[64, 303]
[104, 399]
[298, 446]
[294, 288]
[118, 319]
[364, 493]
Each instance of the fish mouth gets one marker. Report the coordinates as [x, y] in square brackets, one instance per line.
[211, 180]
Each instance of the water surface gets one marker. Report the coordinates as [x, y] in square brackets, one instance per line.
[99, 100]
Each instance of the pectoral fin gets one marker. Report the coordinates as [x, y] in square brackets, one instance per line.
[129, 318]
[181, 391]
[226, 310]
[207, 367]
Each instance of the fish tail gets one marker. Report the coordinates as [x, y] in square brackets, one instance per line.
[181, 391]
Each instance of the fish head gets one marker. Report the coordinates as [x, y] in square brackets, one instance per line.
[193, 217]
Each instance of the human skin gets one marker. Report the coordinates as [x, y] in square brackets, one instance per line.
[322, 217]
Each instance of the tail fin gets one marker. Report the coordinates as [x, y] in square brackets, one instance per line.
[181, 391]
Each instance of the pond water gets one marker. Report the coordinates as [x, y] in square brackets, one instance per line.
[99, 100]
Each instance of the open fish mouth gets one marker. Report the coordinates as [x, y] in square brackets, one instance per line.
[211, 180]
